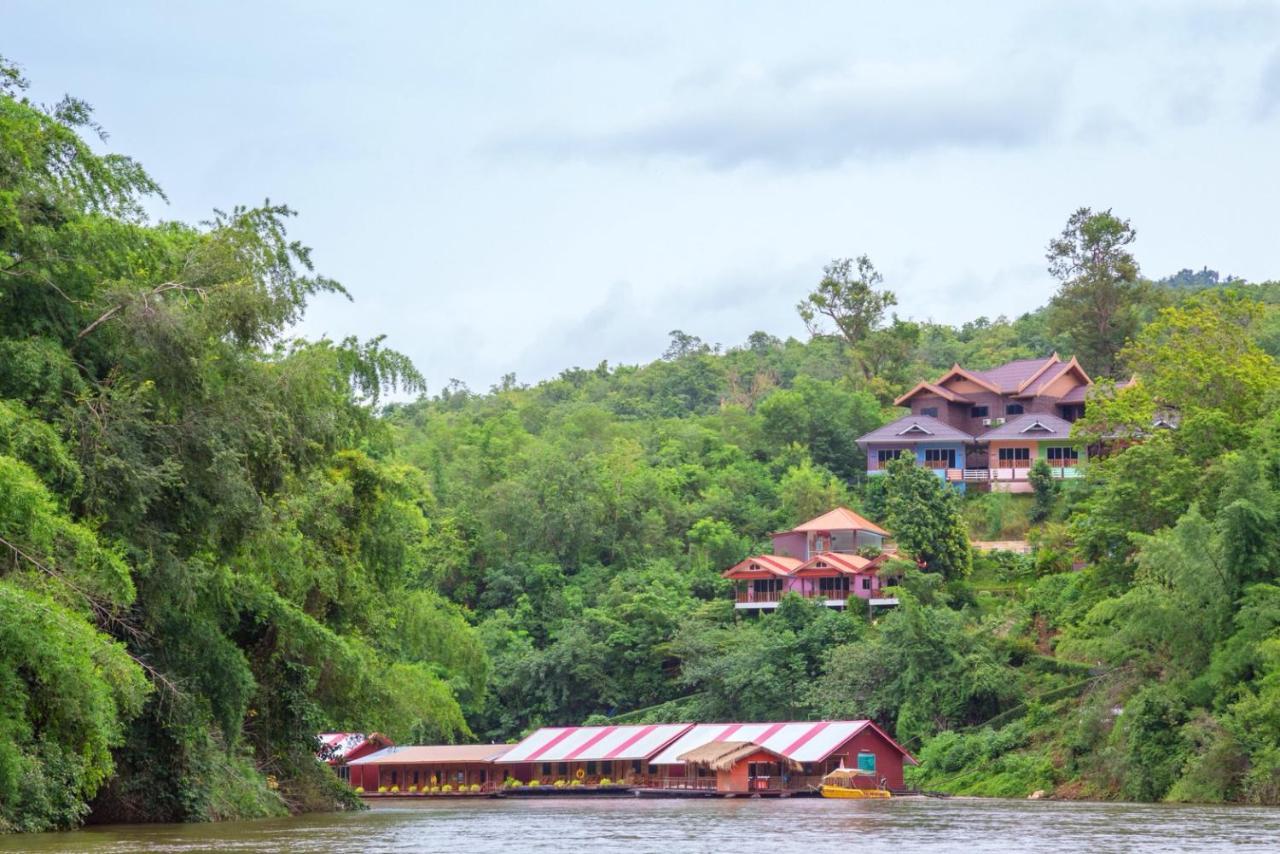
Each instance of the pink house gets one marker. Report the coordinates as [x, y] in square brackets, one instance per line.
[831, 558]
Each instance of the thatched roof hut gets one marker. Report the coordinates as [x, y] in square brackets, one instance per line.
[723, 755]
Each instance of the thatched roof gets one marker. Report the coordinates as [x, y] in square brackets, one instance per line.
[723, 755]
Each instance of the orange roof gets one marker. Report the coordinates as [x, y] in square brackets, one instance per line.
[433, 753]
[762, 565]
[841, 563]
[840, 519]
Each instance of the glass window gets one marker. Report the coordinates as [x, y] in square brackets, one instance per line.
[867, 762]
[546, 768]
[979, 412]
[866, 584]
[885, 456]
[591, 767]
[936, 458]
[1015, 457]
[1063, 456]
[1013, 409]
[930, 411]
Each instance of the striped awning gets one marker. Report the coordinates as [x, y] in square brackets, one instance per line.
[799, 742]
[594, 743]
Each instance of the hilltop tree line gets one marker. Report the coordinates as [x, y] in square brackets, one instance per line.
[218, 540]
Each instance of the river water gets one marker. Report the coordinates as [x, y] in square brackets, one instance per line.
[799, 826]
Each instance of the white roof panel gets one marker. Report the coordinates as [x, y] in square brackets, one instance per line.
[593, 743]
[803, 742]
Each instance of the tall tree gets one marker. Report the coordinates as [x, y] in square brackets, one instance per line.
[924, 515]
[1096, 307]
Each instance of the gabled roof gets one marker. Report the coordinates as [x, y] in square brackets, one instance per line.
[839, 519]
[1038, 383]
[932, 388]
[840, 563]
[911, 429]
[811, 741]
[413, 753]
[1031, 426]
[763, 565]
[723, 755]
[971, 376]
[594, 743]
[1007, 378]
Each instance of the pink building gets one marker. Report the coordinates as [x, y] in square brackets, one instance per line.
[831, 558]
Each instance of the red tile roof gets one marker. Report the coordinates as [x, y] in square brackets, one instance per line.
[762, 565]
[840, 519]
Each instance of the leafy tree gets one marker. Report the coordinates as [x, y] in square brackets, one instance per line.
[1046, 489]
[924, 515]
[1096, 307]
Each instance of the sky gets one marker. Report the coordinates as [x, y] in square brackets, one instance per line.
[528, 187]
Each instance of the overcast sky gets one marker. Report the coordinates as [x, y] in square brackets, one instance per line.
[533, 186]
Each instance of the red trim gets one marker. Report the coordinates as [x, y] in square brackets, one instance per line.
[604, 731]
[804, 739]
[550, 744]
[728, 731]
[617, 751]
[768, 734]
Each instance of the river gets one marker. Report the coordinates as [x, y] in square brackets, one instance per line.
[800, 826]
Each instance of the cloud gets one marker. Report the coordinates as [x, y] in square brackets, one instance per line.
[1269, 88]
[819, 116]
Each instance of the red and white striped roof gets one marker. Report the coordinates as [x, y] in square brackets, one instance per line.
[801, 742]
[594, 743]
[338, 744]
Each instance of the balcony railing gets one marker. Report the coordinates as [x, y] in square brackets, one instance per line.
[1019, 472]
[746, 597]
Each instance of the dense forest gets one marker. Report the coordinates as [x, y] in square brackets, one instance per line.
[219, 540]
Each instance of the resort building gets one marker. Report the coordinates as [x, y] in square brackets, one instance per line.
[779, 757]
[413, 769]
[590, 755]
[987, 427]
[338, 749]
[831, 558]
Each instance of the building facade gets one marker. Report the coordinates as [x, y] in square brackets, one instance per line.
[986, 428]
[831, 558]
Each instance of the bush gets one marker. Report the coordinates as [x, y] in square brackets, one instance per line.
[559, 784]
[533, 783]
[395, 790]
[382, 789]
[413, 790]
[475, 787]
[605, 781]
[576, 783]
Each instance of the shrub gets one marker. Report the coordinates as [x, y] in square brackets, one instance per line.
[559, 784]
[435, 790]
[446, 788]
[359, 790]
[534, 782]
[576, 783]
[382, 789]
[395, 790]
[475, 787]
[605, 781]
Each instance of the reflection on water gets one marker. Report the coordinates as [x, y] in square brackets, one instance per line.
[638, 826]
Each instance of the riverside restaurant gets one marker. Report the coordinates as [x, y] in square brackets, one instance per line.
[729, 759]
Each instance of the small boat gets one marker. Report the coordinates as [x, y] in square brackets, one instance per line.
[844, 783]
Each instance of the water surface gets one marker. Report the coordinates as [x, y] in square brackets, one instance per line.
[799, 826]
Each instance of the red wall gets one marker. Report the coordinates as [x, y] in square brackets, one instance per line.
[888, 758]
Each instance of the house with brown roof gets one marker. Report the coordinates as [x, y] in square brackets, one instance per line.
[829, 558]
[987, 427]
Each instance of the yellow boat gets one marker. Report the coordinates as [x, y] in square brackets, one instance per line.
[843, 783]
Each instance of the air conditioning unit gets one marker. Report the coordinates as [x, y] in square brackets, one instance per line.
[986, 422]
[997, 421]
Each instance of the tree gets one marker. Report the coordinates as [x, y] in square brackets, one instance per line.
[1046, 490]
[1096, 307]
[923, 514]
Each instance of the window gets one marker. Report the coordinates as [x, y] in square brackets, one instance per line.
[591, 768]
[563, 769]
[979, 412]
[930, 411]
[866, 762]
[866, 584]
[546, 769]
[1060, 457]
[767, 585]
[833, 588]
[1013, 409]
[1017, 458]
[883, 457]
[940, 458]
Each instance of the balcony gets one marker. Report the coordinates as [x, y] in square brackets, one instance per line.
[1005, 473]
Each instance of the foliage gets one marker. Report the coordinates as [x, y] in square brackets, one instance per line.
[924, 515]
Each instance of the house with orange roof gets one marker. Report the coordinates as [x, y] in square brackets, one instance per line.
[829, 558]
[986, 428]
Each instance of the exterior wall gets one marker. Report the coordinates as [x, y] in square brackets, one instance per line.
[790, 544]
[1006, 472]
[419, 774]
[1062, 385]
[736, 779]
[888, 759]
[943, 446]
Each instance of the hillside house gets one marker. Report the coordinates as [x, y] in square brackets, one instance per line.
[987, 427]
[830, 558]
